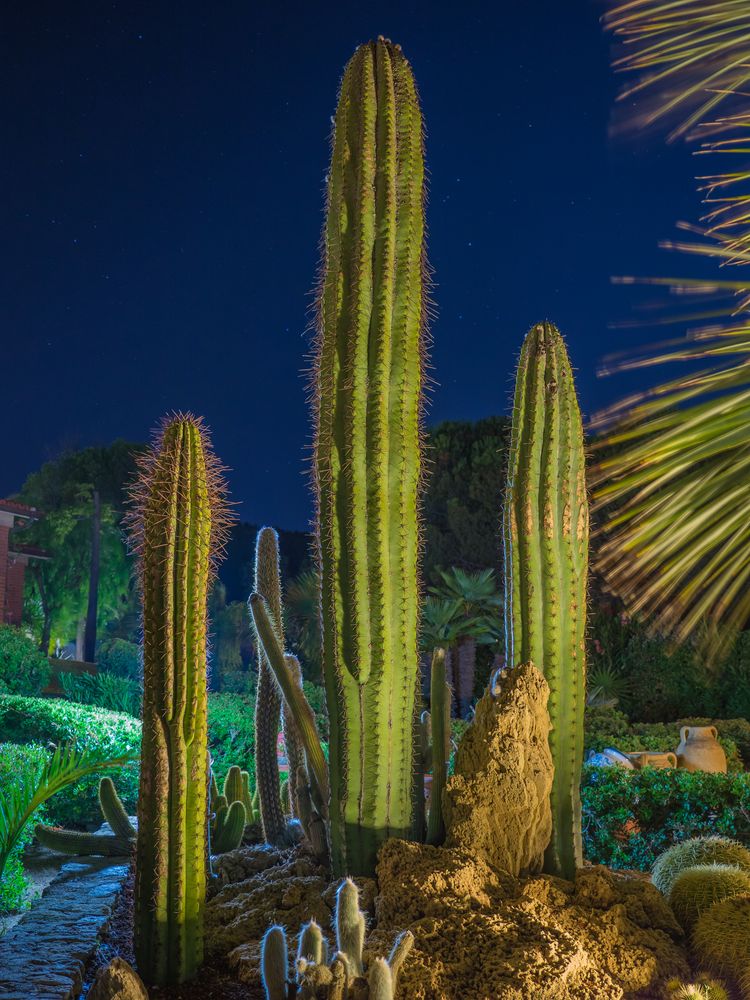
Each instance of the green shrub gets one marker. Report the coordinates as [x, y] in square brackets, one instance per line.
[14, 759]
[23, 669]
[630, 817]
[110, 691]
[231, 737]
[50, 721]
[316, 696]
[120, 657]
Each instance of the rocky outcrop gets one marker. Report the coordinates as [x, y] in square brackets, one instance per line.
[497, 804]
[286, 887]
[118, 981]
[480, 933]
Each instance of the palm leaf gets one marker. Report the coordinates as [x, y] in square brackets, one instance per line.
[673, 485]
[35, 786]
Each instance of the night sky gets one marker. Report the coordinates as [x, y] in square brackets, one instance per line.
[162, 189]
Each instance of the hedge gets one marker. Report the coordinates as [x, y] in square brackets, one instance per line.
[50, 721]
[630, 817]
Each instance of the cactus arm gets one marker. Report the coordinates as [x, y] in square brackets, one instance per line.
[230, 828]
[350, 926]
[233, 784]
[293, 695]
[440, 718]
[295, 750]
[114, 811]
[274, 963]
[77, 842]
[367, 452]
[268, 701]
[399, 953]
[545, 529]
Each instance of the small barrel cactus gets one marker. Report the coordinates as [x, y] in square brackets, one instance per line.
[698, 888]
[697, 851]
[703, 989]
[721, 939]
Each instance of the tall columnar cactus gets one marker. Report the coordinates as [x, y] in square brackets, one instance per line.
[546, 532]
[179, 523]
[268, 699]
[367, 451]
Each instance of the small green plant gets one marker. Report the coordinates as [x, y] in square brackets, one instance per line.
[631, 817]
[32, 788]
[698, 888]
[118, 694]
[23, 669]
[346, 975]
[117, 844]
[697, 851]
[721, 939]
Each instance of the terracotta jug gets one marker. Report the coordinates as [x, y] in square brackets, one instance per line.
[699, 750]
[653, 758]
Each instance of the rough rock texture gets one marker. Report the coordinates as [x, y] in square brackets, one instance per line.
[285, 887]
[118, 981]
[482, 934]
[497, 805]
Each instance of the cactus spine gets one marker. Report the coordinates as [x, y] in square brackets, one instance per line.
[268, 700]
[367, 452]
[545, 534]
[179, 524]
[698, 888]
[697, 851]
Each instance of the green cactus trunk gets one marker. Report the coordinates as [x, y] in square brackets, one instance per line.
[268, 699]
[180, 512]
[367, 451]
[546, 532]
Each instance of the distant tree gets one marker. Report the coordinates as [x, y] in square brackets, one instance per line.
[463, 500]
[58, 593]
[231, 634]
[477, 621]
[302, 621]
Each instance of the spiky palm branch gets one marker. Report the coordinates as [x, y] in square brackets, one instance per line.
[32, 789]
[674, 482]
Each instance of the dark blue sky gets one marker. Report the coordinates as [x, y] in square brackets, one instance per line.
[162, 180]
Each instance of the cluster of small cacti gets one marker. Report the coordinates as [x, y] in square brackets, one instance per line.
[545, 535]
[707, 883]
[703, 988]
[231, 810]
[345, 976]
[179, 525]
[117, 844]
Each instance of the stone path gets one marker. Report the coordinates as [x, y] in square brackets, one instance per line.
[44, 956]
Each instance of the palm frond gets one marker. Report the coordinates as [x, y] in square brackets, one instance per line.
[33, 787]
[674, 480]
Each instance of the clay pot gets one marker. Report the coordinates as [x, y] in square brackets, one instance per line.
[652, 758]
[699, 750]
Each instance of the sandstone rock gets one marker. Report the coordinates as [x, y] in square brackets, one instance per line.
[497, 804]
[286, 887]
[481, 934]
[118, 981]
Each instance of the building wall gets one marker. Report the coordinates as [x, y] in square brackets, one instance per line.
[14, 590]
[4, 532]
